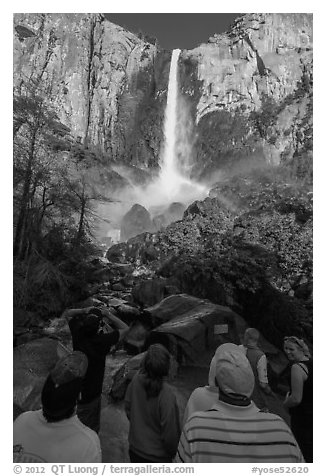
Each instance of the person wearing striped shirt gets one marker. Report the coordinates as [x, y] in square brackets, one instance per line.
[234, 430]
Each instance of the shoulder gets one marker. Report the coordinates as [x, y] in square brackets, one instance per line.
[299, 370]
[89, 442]
[167, 393]
[86, 433]
[27, 417]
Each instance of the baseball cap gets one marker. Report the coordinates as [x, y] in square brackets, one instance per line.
[233, 372]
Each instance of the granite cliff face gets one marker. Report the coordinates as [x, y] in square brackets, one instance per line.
[264, 63]
[86, 63]
[248, 91]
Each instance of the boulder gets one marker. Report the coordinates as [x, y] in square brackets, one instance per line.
[149, 292]
[118, 287]
[123, 376]
[175, 211]
[127, 312]
[135, 339]
[32, 363]
[136, 221]
[58, 328]
[192, 328]
[117, 253]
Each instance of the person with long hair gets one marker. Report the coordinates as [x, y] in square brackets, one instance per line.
[299, 400]
[152, 410]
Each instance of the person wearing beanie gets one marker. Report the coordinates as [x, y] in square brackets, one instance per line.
[55, 434]
[234, 430]
[88, 336]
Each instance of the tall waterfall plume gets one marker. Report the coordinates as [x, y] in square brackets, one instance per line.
[174, 180]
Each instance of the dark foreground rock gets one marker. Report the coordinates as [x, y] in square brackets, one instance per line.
[32, 363]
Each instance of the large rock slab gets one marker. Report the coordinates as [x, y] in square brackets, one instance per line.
[135, 221]
[32, 363]
[191, 327]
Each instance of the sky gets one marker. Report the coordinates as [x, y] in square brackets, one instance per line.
[175, 30]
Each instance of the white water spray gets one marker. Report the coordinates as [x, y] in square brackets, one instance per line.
[174, 181]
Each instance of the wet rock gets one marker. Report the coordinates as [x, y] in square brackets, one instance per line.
[135, 339]
[127, 281]
[103, 274]
[118, 287]
[192, 328]
[172, 306]
[32, 363]
[90, 301]
[175, 211]
[121, 269]
[117, 253]
[127, 312]
[105, 299]
[149, 292]
[115, 302]
[123, 376]
[58, 328]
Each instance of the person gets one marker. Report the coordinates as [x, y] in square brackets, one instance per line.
[152, 410]
[234, 430]
[299, 401]
[55, 434]
[88, 337]
[258, 363]
[203, 398]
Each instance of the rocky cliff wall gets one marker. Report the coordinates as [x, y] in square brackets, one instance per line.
[86, 63]
[265, 59]
[248, 92]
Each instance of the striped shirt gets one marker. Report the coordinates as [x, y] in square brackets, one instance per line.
[236, 434]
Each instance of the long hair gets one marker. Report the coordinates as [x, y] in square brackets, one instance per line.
[156, 366]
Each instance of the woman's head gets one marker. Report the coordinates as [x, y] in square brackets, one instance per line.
[156, 366]
[157, 361]
[295, 349]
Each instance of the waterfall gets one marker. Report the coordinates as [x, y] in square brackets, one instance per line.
[174, 177]
[173, 183]
[169, 173]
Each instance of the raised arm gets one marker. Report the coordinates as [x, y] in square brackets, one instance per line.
[70, 313]
[121, 326]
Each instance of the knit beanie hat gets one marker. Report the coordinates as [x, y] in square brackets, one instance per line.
[63, 385]
[233, 372]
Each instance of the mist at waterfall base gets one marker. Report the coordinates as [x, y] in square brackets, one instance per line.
[174, 182]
